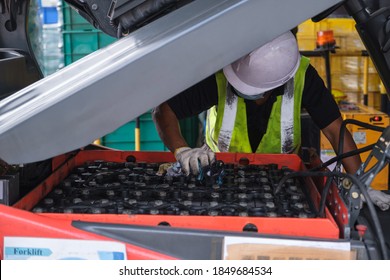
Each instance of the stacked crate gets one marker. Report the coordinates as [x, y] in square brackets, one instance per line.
[80, 37]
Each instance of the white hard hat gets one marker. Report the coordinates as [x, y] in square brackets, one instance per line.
[265, 68]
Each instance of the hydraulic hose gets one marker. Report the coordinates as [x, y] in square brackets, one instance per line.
[143, 12]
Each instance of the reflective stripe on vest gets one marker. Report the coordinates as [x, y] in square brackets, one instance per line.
[226, 127]
[287, 118]
[228, 121]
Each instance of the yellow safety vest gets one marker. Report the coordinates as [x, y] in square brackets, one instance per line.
[226, 126]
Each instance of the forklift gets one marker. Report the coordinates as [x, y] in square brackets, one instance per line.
[48, 123]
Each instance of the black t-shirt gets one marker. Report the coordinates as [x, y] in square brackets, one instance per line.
[316, 99]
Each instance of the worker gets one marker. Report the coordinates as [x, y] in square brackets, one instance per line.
[254, 106]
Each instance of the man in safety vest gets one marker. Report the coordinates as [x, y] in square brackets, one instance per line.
[254, 106]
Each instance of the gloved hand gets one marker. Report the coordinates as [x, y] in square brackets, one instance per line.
[379, 198]
[193, 159]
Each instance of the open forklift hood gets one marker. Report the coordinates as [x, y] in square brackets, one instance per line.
[95, 95]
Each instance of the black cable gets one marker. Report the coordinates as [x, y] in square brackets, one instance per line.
[342, 132]
[143, 12]
[324, 194]
[342, 156]
[362, 188]
[321, 209]
[374, 216]
[370, 174]
[367, 250]
[119, 31]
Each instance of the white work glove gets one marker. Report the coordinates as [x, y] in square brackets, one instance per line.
[193, 159]
[379, 198]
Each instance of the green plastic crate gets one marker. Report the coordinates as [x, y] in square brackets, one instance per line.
[190, 130]
[124, 137]
[80, 37]
[79, 43]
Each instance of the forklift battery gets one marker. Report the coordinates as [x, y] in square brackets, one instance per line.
[82, 188]
[133, 188]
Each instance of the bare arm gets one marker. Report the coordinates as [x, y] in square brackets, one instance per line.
[332, 132]
[168, 127]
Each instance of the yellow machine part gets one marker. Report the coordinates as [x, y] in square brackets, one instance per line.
[338, 95]
[351, 73]
[364, 137]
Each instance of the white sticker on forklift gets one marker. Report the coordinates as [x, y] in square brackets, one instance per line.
[26, 248]
[360, 137]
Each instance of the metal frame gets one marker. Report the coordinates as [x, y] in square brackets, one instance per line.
[112, 86]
